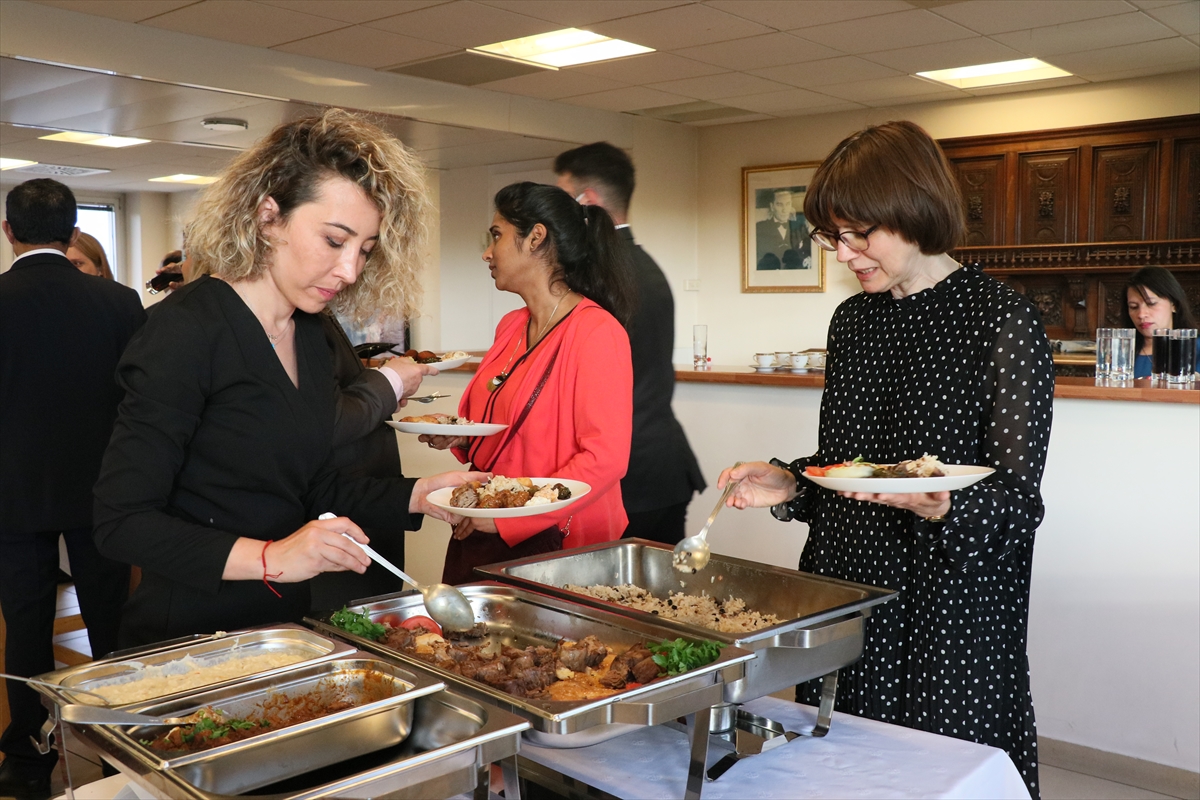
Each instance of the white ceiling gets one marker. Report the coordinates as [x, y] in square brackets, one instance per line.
[717, 62]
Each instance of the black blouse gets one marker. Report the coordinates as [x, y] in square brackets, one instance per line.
[961, 371]
[213, 442]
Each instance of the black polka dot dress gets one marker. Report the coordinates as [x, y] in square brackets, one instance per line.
[961, 371]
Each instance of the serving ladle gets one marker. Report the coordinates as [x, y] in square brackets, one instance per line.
[93, 715]
[692, 554]
[428, 398]
[446, 605]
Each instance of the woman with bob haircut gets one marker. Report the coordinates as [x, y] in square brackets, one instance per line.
[220, 460]
[87, 254]
[931, 358]
[1154, 299]
[559, 374]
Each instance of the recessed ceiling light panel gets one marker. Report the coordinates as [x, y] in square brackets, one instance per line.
[225, 124]
[564, 48]
[14, 163]
[197, 180]
[1001, 72]
[98, 139]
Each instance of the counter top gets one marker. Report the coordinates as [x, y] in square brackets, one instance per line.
[1064, 388]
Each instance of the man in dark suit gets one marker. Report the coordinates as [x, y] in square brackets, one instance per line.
[61, 334]
[781, 240]
[663, 472]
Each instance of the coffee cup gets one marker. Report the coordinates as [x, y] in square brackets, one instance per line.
[799, 360]
[764, 360]
[783, 358]
[816, 360]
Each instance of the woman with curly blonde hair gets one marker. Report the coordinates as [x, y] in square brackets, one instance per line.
[220, 461]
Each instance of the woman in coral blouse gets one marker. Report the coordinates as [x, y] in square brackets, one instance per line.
[558, 374]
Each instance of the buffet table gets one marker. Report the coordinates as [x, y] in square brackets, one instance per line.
[858, 758]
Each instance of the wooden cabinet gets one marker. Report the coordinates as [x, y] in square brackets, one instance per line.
[1066, 216]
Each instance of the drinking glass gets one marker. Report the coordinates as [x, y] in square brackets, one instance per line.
[1104, 347]
[1121, 366]
[1162, 345]
[699, 346]
[1181, 357]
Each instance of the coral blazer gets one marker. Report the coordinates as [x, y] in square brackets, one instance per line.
[579, 427]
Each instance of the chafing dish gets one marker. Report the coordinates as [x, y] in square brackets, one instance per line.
[822, 628]
[521, 618]
[452, 742]
[309, 646]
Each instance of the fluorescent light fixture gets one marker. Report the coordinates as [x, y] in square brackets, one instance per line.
[14, 163]
[563, 48]
[98, 139]
[1019, 71]
[183, 177]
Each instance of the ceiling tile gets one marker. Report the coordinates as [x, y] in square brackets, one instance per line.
[463, 23]
[1188, 66]
[21, 78]
[729, 120]
[944, 55]
[124, 10]
[1157, 3]
[814, 74]
[1163, 53]
[755, 52]
[355, 11]
[1183, 17]
[873, 34]
[712, 87]
[1000, 16]
[243, 22]
[1013, 88]
[649, 68]
[575, 14]
[1091, 34]
[905, 86]
[553, 85]
[788, 101]
[680, 26]
[366, 47]
[633, 98]
[788, 14]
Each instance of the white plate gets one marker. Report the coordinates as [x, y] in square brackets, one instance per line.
[441, 499]
[436, 429]
[451, 363]
[957, 476]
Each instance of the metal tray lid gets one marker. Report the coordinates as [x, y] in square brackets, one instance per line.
[800, 599]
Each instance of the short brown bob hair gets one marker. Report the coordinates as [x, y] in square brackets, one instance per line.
[289, 164]
[893, 175]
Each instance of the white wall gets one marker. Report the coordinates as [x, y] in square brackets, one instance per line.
[742, 324]
[148, 234]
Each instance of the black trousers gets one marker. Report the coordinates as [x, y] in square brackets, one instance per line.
[28, 597]
[666, 525]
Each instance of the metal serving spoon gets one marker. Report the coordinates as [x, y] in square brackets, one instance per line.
[93, 715]
[692, 554]
[446, 605]
[429, 398]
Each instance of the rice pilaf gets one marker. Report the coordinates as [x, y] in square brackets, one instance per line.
[727, 616]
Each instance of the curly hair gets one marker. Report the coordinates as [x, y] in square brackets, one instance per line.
[225, 236]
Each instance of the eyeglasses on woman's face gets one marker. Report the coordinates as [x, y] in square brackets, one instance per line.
[855, 240]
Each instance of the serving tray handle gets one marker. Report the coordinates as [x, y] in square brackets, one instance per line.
[656, 713]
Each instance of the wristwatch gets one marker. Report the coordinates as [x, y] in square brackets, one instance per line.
[787, 510]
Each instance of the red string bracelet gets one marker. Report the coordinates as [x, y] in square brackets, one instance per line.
[266, 574]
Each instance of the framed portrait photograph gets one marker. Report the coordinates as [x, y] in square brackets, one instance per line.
[777, 253]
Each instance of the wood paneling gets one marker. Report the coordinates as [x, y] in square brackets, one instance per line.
[1185, 190]
[984, 188]
[1123, 192]
[1047, 187]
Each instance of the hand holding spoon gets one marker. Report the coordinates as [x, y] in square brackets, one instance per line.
[692, 554]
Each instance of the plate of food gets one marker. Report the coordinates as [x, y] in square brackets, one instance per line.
[445, 425]
[503, 497]
[925, 474]
[455, 358]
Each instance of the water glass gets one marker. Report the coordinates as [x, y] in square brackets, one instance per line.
[1181, 357]
[1121, 367]
[1162, 344]
[1104, 347]
[699, 346]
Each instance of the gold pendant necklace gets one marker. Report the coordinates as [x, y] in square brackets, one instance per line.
[502, 376]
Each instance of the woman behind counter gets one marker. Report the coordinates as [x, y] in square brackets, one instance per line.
[937, 358]
[559, 374]
[1154, 299]
[220, 460]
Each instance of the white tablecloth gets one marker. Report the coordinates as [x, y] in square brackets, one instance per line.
[859, 758]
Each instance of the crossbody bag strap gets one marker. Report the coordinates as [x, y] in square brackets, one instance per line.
[516, 426]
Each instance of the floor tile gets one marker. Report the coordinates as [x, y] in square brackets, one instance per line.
[1062, 784]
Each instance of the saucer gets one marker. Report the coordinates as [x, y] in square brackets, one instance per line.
[757, 368]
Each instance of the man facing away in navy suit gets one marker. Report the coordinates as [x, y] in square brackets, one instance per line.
[62, 332]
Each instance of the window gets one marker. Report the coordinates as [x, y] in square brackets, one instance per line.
[100, 220]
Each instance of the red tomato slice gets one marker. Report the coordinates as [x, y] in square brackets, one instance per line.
[391, 620]
[816, 472]
[421, 622]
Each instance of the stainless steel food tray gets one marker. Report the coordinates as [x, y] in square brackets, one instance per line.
[313, 648]
[452, 742]
[520, 618]
[823, 617]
